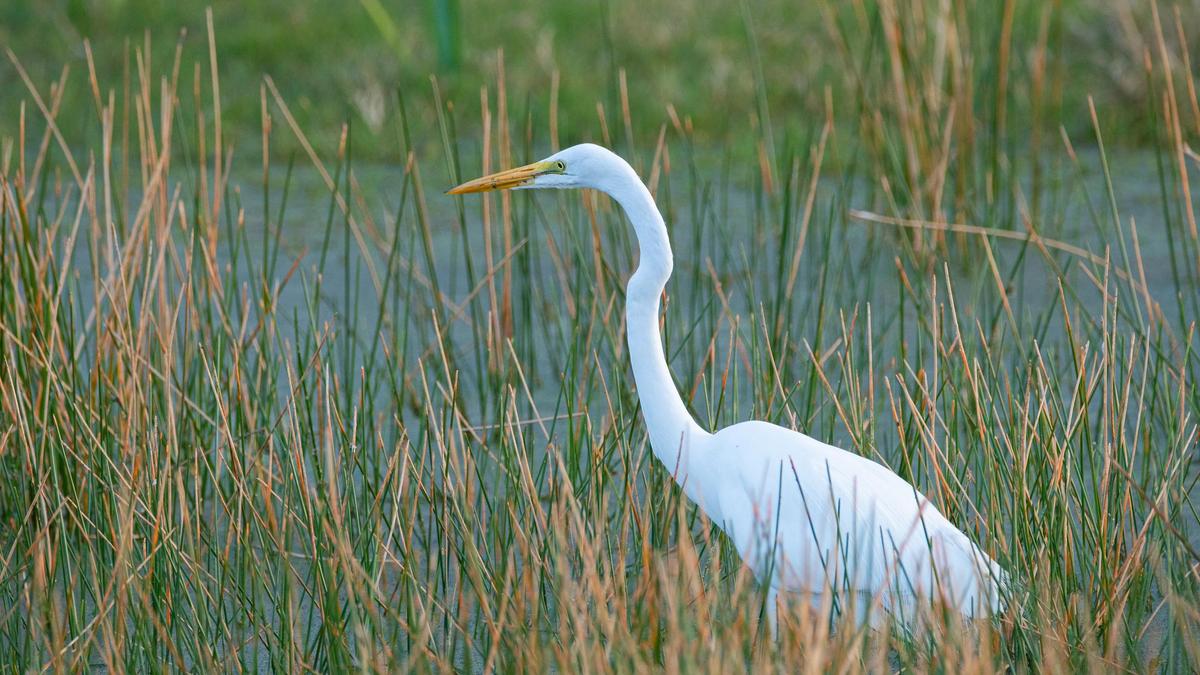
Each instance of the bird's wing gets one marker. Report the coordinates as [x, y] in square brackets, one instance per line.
[811, 517]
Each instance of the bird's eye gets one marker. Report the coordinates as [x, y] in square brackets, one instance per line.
[560, 166]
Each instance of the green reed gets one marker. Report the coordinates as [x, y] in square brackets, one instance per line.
[322, 417]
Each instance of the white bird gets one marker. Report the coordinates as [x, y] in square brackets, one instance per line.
[808, 518]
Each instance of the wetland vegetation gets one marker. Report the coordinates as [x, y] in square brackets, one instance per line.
[270, 400]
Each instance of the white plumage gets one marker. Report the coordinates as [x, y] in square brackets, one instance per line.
[806, 517]
[841, 524]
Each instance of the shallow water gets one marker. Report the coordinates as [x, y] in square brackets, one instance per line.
[722, 233]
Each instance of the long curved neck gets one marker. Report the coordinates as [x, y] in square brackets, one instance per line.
[667, 418]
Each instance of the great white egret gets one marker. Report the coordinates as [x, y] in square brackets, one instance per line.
[808, 518]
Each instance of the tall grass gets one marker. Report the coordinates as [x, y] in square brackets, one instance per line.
[276, 418]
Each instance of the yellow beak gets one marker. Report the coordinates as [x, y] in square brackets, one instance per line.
[503, 180]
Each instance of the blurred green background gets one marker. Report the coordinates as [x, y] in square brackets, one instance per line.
[336, 61]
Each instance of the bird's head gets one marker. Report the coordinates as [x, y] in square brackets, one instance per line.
[579, 166]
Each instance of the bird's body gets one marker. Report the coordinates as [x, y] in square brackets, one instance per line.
[828, 522]
[806, 517]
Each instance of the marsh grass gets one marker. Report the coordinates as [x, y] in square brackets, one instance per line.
[397, 432]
